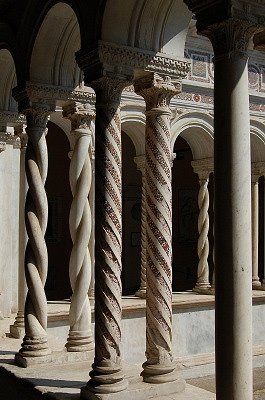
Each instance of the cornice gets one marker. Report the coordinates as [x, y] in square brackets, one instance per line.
[123, 61]
[42, 93]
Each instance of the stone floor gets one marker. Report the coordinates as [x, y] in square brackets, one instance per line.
[63, 382]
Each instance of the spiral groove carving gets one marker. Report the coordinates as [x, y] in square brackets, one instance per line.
[159, 253]
[142, 290]
[203, 242]
[107, 375]
[80, 174]
[36, 258]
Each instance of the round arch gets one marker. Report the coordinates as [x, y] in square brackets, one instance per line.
[197, 129]
[154, 25]
[8, 81]
[133, 124]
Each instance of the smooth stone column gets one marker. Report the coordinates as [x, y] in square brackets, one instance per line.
[256, 284]
[141, 292]
[203, 285]
[232, 196]
[80, 223]
[35, 347]
[107, 372]
[157, 93]
[17, 330]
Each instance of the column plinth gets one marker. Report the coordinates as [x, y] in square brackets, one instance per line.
[107, 373]
[80, 224]
[157, 93]
[35, 346]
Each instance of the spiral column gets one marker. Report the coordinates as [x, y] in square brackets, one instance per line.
[256, 284]
[141, 292]
[203, 285]
[80, 223]
[157, 93]
[107, 375]
[35, 343]
[18, 328]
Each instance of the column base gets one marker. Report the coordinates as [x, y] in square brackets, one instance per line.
[26, 362]
[16, 331]
[137, 390]
[141, 293]
[204, 290]
[256, 285]
[78, 342]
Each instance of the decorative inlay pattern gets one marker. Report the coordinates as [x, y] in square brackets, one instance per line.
[80, 222]
[107, 375]
[140, 161]
[157, 93]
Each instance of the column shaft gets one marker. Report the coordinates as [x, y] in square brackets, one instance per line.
[157, 93]
[232, 227]
[255, 232]
[18, 328]
[142, 290]
[80, 223]
[107, 375]
[36, 257]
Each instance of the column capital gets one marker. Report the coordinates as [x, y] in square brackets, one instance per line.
[79, 114]
[108, 91]
[228, 24]
[156, 90]
[20, 132]
[257, 170]
[203, 167]
[140, 161]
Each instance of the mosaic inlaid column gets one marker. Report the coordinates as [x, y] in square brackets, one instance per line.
[203, 285]
[18, 328]
[80, 223]
[256, 284]
[157, 93]
[35, 344]
[107, 372]
[140, 161]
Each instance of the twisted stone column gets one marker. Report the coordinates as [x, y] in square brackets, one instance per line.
[140, 161]
[80, 175]
[157, 93]
[18, 328]
[256, 284]
[107, 375]
[36, 258]
[203, 285]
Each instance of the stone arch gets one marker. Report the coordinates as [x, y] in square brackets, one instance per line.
[8, 81]
[88, 15]
[154, 25]
[53, 54]
[197, 129]
[133, 124]
[257, 138]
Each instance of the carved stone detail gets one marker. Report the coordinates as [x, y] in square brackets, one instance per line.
[47, 93]
[119, 60]
[141, 292]
[80, 220]
[36, 257]
[106, 375]
[157, 94]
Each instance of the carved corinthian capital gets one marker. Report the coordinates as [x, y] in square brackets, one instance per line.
[156, 90]
[228, 24]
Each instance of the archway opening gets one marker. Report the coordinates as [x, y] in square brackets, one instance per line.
[131, 218]
[59, 196]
